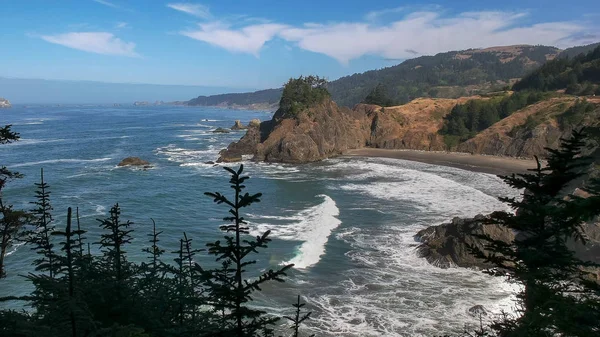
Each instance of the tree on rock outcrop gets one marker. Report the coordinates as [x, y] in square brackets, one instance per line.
[302, 93]
[557, 298]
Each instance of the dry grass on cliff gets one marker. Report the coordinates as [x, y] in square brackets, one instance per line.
[426, 114]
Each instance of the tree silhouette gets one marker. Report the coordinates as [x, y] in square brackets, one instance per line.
[241, 319]
[555, 299]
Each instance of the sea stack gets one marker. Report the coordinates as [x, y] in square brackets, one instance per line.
[238, 125]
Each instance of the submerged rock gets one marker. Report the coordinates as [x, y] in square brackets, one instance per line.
[134, 161]
[221, 130]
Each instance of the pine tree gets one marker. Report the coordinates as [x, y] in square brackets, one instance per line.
[554, 299]
[241, 319]
[12, 220]
[40, 235]
[298, 318]
[68, 267]
[116, 271]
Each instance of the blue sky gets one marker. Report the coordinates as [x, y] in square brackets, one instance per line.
[259, 44]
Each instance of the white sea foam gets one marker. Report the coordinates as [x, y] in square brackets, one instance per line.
[32, 141]
[394, 293]
[390, 291]
[187, 157]
[14, 248]
[100, 209]
[312, 226]
[67, 160]
[447, 192]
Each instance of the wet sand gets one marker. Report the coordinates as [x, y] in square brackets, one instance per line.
[465, 161]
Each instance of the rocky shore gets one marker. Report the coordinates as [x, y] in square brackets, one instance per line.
[447, 245]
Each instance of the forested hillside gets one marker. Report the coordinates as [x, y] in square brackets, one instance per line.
[579, 75]
[268, 96]
[451, 74]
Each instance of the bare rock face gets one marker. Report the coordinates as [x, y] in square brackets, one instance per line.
[238, 126]
[134, 161]
[246, 145]
[322, 131]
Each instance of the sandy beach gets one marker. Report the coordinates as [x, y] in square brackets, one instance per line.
[466, 161]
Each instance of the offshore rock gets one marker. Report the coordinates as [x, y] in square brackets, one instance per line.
[134, 161]
[221, 130]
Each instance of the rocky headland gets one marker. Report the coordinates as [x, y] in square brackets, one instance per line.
[326, 130]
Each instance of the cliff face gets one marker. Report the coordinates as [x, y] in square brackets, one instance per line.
[320, 132]
[528, 131]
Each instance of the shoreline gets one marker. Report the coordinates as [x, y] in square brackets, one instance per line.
[470, 162]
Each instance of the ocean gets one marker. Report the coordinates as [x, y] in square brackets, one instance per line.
[346, 223]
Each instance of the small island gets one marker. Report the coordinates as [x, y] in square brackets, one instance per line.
[4, 103]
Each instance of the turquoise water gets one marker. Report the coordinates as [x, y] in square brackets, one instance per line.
[347, 223]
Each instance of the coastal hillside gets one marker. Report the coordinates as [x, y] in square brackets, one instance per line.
[446, 75]
[528, 131]
[325, 130]
[310, 126]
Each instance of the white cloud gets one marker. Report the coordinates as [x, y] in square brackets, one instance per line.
[94, 42]
[106, 3]
[373, 15]
[121, 25]
[198, 10]
[428, 33]
[423, 32]
[249, 39]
